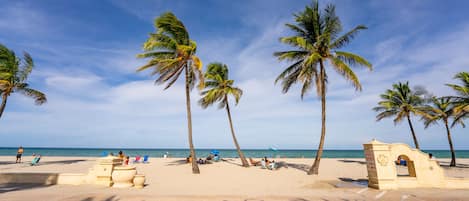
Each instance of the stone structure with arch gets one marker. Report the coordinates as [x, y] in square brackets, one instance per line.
[422, 171]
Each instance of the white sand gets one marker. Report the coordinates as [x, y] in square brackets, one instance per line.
[172, 179]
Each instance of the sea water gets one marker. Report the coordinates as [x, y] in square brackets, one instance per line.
[227, 153]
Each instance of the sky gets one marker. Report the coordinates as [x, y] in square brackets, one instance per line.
[85, 61]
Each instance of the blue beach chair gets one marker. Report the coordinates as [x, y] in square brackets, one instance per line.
[145, 159]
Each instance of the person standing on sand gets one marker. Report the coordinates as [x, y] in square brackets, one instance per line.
[121, 155]
[19, 153]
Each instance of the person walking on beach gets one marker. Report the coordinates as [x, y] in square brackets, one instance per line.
[19, 153]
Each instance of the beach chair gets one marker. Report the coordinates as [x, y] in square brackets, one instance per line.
[272, 166]
[35, 161]
[145, 159]
[403, 162]
[137, 159]
[263, 164]
[254, 163]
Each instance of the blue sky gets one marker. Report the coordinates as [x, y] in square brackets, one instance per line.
[84, 53]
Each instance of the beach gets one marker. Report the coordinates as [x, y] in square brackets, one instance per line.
[172, 179]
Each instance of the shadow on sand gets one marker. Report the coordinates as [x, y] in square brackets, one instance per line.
[23, 181]
[177, 162]
[458, 165]
[6, 162]
[8, 187]
[302, 167]
[353, 161]
[231, 161]
[111, 198]
[65, 162]
[352, 182]
[286, 199]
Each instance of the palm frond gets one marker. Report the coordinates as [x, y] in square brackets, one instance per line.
[236, 93]
[313, 32]
[168, 23]
[26, 68]
[353, 59]
[218, 87]
[39, 97]
[299, 31]
[173, 78]
[160, 42]
[291, 55]
[385, 114]
[460, 90]
[292, 69]
[297, 41]
[401, 101]
[160, 55]
[343, 69]
[347, 37]
[332, 24]
[5, 75]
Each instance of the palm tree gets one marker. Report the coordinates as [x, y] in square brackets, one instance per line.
[14, 73]
[461, 101]
[441, 110]
[401, 102]
[317, 41]
[171, 52]
[217, 89]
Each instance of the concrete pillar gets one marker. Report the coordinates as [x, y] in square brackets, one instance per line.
[380, 165]
[103, 170]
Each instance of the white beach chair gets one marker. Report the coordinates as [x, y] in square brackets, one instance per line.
[263, 164]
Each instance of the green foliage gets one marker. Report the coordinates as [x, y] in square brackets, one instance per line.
[461, 101]
[316, 40]
[400, 102]
[441, 109]
[218, 87]
[170, 51]
[14, 73]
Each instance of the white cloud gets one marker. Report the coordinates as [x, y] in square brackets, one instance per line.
[71, 83]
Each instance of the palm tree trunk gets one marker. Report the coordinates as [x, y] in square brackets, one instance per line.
[4, 103]
[453, 155]
[240, 153]
[413, 132]
[195, 167]
[315, 168]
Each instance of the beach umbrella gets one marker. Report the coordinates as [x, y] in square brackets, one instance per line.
[274, 149]
[215, 152]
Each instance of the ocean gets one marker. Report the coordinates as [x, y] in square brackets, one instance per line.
[229, 153]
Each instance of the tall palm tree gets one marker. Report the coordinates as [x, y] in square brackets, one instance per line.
[218, 87]
[317, 41]
[14, 73]
[442, 109]
[171, 52]
[461, 101]
[401, 102]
